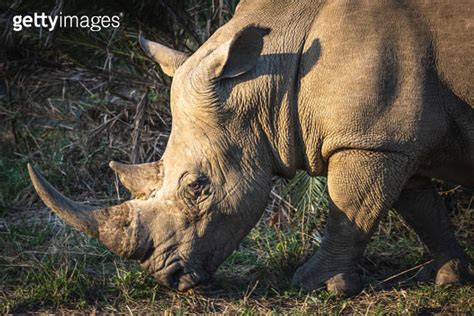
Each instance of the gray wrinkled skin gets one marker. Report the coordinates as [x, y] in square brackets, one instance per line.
[376, 95]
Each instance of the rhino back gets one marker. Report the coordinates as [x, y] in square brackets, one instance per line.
[379, 76]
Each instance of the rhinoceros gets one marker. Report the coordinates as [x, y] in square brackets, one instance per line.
[376, 95]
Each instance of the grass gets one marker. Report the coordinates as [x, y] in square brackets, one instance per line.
[14, 178]
[47, 267]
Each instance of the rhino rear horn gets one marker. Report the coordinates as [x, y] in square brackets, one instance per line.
[117, 227]
[168, 59]
[141, 179]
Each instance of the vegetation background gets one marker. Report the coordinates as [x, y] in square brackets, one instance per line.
[72, 100]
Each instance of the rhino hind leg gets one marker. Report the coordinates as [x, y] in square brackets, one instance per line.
[363, 185]
[425, 211]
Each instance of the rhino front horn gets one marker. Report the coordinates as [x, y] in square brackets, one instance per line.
[117, 227]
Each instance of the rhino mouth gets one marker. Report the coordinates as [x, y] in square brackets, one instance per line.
[178, 277]
[174, 272]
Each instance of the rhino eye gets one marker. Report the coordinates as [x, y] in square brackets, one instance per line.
[198, 185]
[194, 186]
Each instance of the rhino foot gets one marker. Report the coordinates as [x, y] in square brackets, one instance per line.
[344, 284]
[455, 271]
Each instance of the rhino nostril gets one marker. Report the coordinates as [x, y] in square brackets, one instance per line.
[173, 278]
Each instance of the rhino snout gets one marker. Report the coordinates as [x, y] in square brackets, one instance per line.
[178, 275]
[179, 278]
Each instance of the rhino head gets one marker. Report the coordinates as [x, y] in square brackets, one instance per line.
[191, 209]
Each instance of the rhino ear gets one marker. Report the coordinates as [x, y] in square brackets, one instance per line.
[236, 56]
[168, 59]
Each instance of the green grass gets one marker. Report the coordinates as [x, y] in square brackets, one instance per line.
[46, 266]
[14, 178]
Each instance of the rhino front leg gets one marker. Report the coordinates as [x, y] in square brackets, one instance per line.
[362, 185]
[425, 211]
